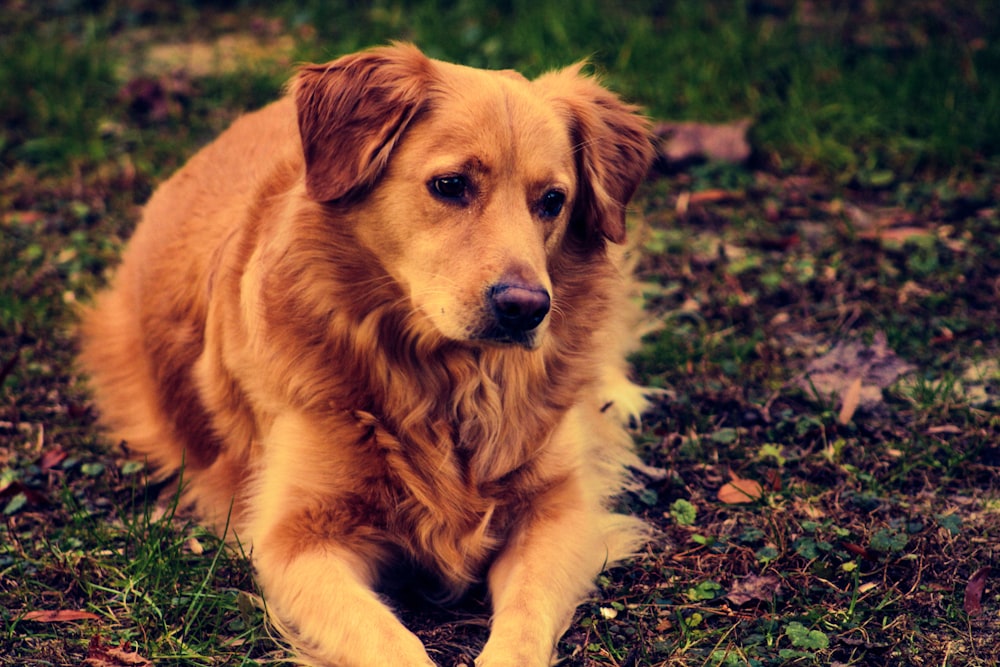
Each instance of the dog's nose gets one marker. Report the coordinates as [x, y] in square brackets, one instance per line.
[519, 308]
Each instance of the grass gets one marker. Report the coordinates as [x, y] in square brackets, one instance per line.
[868, 207]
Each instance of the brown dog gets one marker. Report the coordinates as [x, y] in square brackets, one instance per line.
[379, 323]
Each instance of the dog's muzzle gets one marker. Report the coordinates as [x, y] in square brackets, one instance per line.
[517, 311]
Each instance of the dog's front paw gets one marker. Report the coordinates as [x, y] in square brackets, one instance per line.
[498, 656]
[626, 401]
[508, 661]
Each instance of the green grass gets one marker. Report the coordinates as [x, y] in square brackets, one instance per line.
[866, 532]
[161, 583]
[869, 97]
[51, 84]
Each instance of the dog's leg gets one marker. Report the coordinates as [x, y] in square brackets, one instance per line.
[330, 616]
[315, 574]
[540, 577]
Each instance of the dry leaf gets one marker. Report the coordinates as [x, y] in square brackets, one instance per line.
[740, 490]
[851, 398]
[753, 587]
[974, 592]
[837, 372]
[36, 498]
[59, 616]
[774, 483]
[21, 218]
[682, 142]
[897, 235]
[52, 458]
[946, 429]
[8, 365]
[100, 654]
[714, 196]
[194, 546]
[861, 551]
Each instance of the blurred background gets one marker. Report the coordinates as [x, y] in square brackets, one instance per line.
[868, 90]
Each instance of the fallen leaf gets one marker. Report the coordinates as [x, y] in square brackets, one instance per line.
[31, 496]
[946, 335]
[683, 142]
[754, 587]
[714, 196]
[836, 373]
[8, 365]
[774, 483]
[683, 202]
[59, 616]
[739, 490]
[52, 457]
[871, 222]
[860, 551]
[21, 217]
[851, 398]
[100, 654]
[946, 429]
[897, 235]
[974, 592]
[194, 546]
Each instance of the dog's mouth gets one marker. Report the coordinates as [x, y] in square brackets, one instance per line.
[505, 338]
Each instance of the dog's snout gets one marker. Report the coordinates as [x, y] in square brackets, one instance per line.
[518, 307]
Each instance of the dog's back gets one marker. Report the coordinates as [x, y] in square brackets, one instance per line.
[142, 338]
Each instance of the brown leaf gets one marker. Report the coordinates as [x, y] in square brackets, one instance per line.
[774, 483]
[851, 398]
[753, 587]
[945, 429]
[897, 235]
[52, 457]
[33, 497]
[740, 490]
[682, 142]
[714, 196]
[21, 217]
[59, 616]
[836, 373]
[8, 365]
[861, 551]
[974, 592]
[100, 654]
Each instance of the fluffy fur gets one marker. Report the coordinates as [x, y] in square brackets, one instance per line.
[309, 321]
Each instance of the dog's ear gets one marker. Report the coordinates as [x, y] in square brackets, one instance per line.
[613, 148]
[352, 112]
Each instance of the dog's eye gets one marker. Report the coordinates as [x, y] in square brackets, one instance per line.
[450, 187]
[552, 203]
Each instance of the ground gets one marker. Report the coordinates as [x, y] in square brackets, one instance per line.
[823, 319]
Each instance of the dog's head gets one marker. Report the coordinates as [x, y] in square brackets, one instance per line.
[466, 183]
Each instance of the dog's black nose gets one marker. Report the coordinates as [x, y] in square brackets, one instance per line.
[519, 308]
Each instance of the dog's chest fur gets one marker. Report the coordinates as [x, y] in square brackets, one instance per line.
[442, 518]
[456, 471]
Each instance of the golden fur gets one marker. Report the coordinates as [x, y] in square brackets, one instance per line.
[308, 321]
